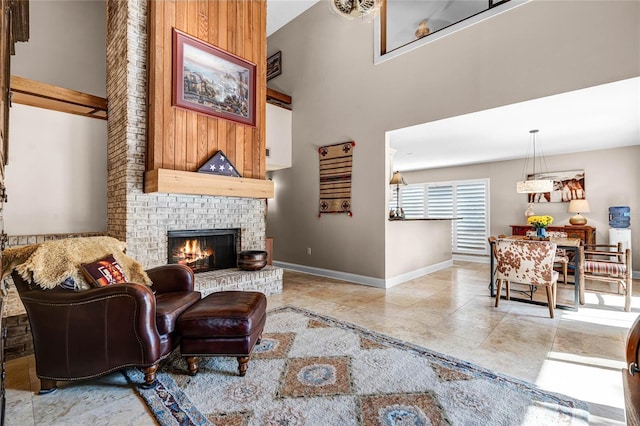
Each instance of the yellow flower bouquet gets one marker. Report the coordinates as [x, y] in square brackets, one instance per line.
[540, 221]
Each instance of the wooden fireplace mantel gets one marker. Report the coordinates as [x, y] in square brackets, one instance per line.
[194, 183]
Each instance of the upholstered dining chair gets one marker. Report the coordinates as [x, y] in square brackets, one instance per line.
[492, 246]
[562, 258]
[608, 263]
[526, 262]
[492, 241]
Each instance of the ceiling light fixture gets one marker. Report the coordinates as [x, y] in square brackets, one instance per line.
[529, 184]
[351, 9]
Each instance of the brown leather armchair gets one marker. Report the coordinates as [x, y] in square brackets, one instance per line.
[84, 334]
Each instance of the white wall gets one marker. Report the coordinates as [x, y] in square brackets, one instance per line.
[416, 248]
[57, 171]
[538, 49]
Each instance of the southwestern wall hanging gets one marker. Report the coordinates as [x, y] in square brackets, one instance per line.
[211, 81]
[335, 178]
[567, 186]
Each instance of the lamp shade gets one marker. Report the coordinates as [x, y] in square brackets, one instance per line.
[534, 186]
[579, 206]
[397, 179]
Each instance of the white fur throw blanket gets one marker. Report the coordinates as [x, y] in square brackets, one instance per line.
[52, 262]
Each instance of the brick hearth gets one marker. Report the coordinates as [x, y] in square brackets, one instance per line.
[268, 280]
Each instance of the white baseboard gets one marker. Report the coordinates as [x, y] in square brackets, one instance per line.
[389, 282]
[363, 279]
[471, 258]
[399, 279]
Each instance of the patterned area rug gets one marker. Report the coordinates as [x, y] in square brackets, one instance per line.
[310, 369]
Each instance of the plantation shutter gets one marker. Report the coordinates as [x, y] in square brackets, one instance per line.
[440, 201]
[471, 206]
[412, 197]
[394, 200]
[466, 200]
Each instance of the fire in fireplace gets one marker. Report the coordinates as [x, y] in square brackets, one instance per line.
[204, 249]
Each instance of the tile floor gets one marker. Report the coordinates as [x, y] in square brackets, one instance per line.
[576, 353]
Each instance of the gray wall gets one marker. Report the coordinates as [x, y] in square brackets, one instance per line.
[538, 49]
[57, 172]
[67, 45]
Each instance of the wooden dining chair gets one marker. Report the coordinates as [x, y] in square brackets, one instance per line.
[526, 262]
[608, 263]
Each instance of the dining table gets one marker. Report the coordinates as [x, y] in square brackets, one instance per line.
[571, 245]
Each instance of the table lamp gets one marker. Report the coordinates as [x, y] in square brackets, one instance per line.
[397, 179]
[578, 206]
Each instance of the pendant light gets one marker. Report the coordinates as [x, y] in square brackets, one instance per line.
[533, 185]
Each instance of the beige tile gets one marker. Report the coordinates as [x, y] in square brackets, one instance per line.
[19, 408]
[578, 353]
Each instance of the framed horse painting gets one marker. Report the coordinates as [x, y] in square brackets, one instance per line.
[567, 186]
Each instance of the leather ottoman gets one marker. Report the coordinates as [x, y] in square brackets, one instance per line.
[227, 323]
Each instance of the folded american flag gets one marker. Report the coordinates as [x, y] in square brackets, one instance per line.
[219, 164]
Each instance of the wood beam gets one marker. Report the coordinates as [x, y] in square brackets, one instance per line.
[42, 95]
[277, 98]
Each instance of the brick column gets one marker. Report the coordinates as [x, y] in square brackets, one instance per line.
[126, 92]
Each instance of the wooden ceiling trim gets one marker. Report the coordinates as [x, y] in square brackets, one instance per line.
[43, 95]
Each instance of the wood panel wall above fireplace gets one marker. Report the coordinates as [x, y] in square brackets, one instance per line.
[180, 141]
[184, 140]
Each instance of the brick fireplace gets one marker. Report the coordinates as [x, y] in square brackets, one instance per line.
[141, 219]
[203, 249]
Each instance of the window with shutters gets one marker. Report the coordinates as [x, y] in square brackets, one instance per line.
[467, 200]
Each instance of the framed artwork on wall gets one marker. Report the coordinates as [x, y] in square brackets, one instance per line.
[274, 65]
[211, 81]
[567, 186]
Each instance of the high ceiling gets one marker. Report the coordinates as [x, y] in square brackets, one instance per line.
[600, 117]
[280, 12]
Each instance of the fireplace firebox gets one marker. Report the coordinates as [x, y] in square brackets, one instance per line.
[204, 249]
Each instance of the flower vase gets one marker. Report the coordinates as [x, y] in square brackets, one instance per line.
[541, 233]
